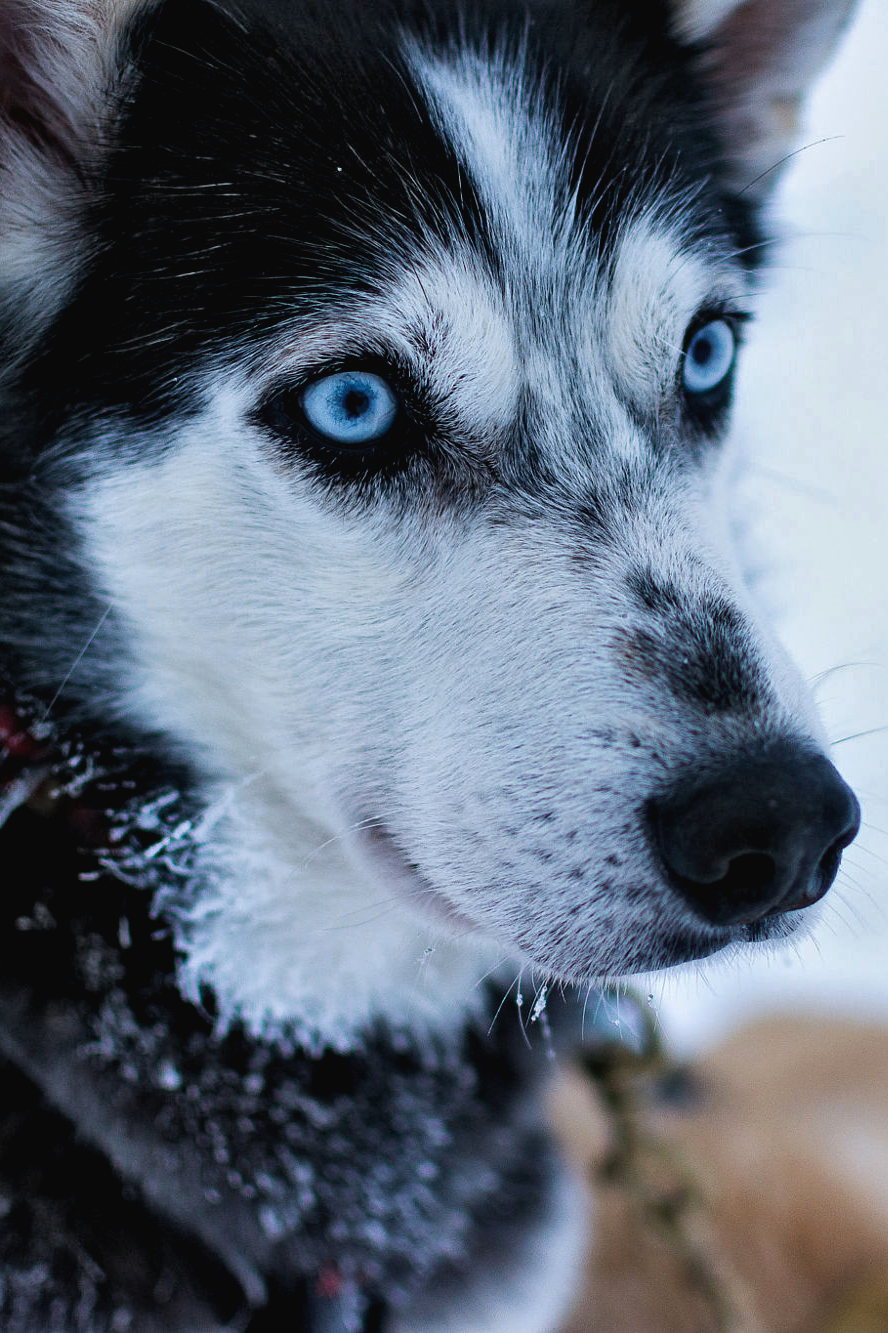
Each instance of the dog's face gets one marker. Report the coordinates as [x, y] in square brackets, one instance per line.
[389, 373]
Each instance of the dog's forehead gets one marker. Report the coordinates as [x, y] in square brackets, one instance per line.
[478, 202]
[543, 307]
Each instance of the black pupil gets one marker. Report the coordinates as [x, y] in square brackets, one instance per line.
[356, 402]
[702, 349]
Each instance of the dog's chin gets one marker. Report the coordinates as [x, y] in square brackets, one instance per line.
[377, 852]
[677, 948]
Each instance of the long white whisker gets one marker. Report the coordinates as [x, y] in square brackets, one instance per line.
[76, 663]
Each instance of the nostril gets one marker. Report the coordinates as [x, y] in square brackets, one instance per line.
[761, 837]
[737, 895]
[829, 866]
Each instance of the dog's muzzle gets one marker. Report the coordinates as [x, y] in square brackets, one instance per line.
[761, 836]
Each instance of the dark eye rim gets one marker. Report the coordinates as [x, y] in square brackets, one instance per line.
[280, 410]
[708, 408]
[413, 438]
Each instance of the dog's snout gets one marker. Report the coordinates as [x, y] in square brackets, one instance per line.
[762, 836]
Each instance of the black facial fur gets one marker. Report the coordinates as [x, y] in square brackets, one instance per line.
[700, 648]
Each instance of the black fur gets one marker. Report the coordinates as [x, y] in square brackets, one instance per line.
[392, 1165]
[219, 214]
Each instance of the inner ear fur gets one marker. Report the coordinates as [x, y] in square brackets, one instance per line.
[57, 64]
[759, 59]
[60, 69]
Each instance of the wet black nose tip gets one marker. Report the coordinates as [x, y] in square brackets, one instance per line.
[763, 836]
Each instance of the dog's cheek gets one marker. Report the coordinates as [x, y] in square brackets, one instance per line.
[255, 627]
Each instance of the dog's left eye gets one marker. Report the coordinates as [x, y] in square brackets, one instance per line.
[709, 357]
[352, 407]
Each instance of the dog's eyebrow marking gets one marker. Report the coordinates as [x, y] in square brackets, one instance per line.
[623, 305]
[451, 322]
[484, 109]
[658, 281]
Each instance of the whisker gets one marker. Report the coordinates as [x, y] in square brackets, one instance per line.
[76, 663]
[815, 143]
[501, 962]
[516, 982]
[519, 1004]
[816, 681]
[858, 735]
[370, 822]
[794, 484]
[862, 847]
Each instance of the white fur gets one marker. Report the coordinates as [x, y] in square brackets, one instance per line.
[339, 671]
[695, 19]
[420, 729]
[40, 241]
[302, 921]
[489, 110]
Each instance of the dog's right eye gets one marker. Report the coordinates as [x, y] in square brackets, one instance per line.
[353, 407]
[350, 409]
[709, 357]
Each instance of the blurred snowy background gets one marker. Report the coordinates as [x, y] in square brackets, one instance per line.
[813, 410]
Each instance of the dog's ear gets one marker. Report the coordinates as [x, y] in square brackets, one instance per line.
[60, 64]
[56, 65]
[758, 58]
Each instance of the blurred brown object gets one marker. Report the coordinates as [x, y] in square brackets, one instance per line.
[759, 1201]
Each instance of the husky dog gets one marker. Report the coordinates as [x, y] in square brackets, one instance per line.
[373, 629]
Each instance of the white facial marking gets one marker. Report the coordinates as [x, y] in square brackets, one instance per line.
[694, 19]
[657, 288]
[579, 324]
[486, 109]
[244, 600]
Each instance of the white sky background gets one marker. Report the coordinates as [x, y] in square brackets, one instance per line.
[813, 412]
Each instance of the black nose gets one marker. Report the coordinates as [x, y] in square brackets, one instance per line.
[760, 837]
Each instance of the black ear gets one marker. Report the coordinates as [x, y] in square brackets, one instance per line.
[759, 58]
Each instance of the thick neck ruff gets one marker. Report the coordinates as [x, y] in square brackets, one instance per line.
[370, 1167]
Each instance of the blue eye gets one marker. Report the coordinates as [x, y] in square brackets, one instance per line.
[352, 407]
[709, 357]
